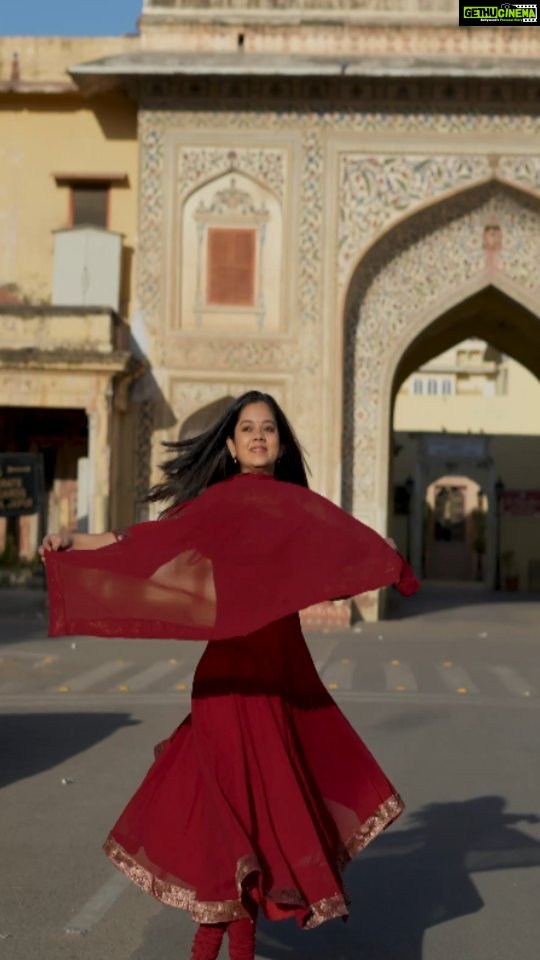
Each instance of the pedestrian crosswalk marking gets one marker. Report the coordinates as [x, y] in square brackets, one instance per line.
[457, 679]
[399, 677]
[185, 682]
[338, 674]
[512, 680]
[90, 678]
[145, 678]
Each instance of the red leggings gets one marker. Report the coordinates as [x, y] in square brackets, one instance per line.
[209, 936]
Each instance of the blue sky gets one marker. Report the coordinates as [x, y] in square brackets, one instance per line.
[68, 17]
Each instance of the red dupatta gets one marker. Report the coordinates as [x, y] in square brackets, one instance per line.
[246, 552]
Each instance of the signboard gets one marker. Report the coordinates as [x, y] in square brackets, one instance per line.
[448, 446]
[521, 503]
[21, 484]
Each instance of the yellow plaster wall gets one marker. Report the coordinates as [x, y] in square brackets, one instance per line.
[41, 136]
[516, 412]
[46, 59]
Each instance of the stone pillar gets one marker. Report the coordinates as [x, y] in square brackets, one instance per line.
[99, 455]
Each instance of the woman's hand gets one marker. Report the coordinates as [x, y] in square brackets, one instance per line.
[75, 541]
[56, 541]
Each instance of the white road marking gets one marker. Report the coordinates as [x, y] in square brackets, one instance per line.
[338, 674]
[321, 661]
[21, 702]
[82, 681]
[144, 679]
[97, 906]
[513, 682]
[184, 684]
[456, 678]
[399, 677]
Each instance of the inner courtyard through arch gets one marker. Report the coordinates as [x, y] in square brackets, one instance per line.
[465, 464]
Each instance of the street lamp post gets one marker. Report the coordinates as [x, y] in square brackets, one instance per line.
[499, 490]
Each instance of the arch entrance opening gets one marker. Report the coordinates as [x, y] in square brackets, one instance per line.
[465, 463]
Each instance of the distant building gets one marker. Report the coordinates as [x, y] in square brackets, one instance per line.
[462, 421]
[313, 198]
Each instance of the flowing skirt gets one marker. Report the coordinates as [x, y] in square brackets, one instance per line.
[261, 796]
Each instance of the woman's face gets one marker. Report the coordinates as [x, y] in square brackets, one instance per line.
[256, 444]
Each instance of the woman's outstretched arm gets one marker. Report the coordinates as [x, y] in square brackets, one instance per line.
[76, 541]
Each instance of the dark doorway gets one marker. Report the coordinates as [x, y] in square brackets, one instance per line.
[61, 436]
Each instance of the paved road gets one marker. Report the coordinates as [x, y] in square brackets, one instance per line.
[450, 704]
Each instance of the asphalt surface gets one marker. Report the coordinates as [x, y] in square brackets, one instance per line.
[448, 699]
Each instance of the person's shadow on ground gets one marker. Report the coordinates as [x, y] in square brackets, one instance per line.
[411, 880]
[406, 882]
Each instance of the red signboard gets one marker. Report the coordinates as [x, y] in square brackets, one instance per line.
[521, 503]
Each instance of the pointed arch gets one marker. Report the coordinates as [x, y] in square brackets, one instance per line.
[431, 280]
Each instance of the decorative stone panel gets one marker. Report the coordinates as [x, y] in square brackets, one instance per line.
[376, 190]
[325, 244]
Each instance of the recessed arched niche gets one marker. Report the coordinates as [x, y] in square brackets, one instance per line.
[231, 257]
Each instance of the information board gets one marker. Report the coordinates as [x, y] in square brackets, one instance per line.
[21, 484]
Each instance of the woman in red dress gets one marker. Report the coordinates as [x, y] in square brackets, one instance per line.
[264, 793]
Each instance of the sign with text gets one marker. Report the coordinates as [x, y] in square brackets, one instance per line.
[448, 446]
[500, 14]
[21, 484]
[521, 503]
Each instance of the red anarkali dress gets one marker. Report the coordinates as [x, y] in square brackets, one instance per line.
[265, 791]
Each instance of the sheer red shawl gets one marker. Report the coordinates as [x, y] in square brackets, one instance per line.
[246, 552]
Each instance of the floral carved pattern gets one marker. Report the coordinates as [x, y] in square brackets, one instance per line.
[197, 165]
[374, 190]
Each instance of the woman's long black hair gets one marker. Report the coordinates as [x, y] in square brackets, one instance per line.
[204, 460]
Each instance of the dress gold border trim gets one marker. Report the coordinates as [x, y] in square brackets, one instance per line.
[203, 911]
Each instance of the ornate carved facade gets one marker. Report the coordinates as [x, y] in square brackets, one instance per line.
[368, 184]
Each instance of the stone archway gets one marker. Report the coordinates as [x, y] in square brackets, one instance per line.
[467, 260]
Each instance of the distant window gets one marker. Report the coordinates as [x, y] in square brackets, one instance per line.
[231, 267]
[432, 386]
[90, 205]
[418, 386]
[447, 387]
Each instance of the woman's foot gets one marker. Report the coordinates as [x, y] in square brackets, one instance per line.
[241, 939]
[207, 941]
